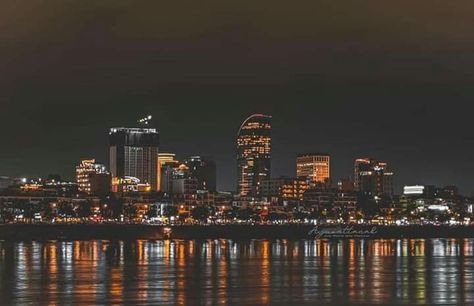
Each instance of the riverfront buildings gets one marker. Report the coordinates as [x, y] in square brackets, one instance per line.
[133, 153]
[253, 154]
[188, 187]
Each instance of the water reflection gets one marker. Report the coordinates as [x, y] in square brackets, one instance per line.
[437, 271]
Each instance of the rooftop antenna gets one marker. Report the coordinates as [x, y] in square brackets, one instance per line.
[145, 120]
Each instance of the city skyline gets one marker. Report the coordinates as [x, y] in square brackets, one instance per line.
[231, 181]
[137, 126]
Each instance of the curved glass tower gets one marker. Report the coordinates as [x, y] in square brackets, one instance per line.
[253, 154]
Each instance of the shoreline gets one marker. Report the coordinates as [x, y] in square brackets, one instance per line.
[42, 232]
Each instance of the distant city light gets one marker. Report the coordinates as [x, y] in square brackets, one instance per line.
[413, 190]
[438, 207]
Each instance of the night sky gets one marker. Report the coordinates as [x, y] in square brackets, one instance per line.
[388, 79]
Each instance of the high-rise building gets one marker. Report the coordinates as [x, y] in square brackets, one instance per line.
[314, 167]
[373, 177]
[163, 159]
[92, 178]
[253, 154]
[133, 153]
[360, 164]
[203, 170]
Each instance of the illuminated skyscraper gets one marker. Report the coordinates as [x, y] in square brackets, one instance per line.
[373, 177]
[253, 154]
[360, 164]
[163, 159]
[92, 178]
[204, 170]
[133, 153]
[314, 167]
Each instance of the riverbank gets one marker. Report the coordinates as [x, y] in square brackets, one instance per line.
[30, 232]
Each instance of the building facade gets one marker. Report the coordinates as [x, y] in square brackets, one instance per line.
[253, 154]
[314, 167]
[133, 153]
[185, 191]
[164, 159]
[373, 178]
[92, 178]
[129, 184]
[284, 189]
[203, 170]
[168, 171]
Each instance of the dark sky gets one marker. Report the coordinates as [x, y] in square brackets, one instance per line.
[387, 79]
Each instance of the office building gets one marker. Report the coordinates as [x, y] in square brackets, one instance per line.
[203, 170]
[253, 154]
[129, 184]
[133, 153]
[92, 178]
[373, 178]
[169, 170]
[284, 189]
[314, 168]
[345, 185]
[164, 159]
[185, 191]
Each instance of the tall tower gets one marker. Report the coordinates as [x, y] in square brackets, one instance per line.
[134, 151]
[253, 154]
[314, 167]
[203, 169]
[373, 177]
[163, 159]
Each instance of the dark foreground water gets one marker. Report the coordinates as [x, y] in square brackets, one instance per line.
[436, 271]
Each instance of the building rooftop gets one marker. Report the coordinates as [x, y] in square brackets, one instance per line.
[132, 130]
[314, 154]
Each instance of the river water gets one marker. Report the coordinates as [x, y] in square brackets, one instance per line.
[257, 272]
